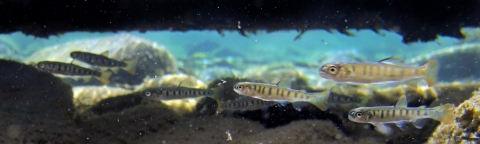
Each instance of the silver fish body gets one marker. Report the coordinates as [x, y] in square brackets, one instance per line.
[170, 93]
[95, 59]
[400, 114]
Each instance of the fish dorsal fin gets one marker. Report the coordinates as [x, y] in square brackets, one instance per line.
[392, 60]
[105, 53]
[179, 84]
[401, 102]
[284, 83]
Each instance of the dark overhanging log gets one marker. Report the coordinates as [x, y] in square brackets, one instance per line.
[414, 20]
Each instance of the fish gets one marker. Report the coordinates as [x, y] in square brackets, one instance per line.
[171, 93]
[244, 103]
[400, 114]
[282, 94]
[336, 99]
[386, 71]
[73, 70]
[103, 61]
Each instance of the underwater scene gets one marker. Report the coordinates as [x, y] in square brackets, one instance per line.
[215, 87]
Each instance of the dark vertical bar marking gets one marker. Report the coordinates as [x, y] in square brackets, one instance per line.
[269, 90]
[381, 114]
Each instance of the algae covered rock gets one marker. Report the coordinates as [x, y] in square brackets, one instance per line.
[465, 129]
[151, 59]
[171, 80]
[275, 73]
[36, 107]
[84, 97]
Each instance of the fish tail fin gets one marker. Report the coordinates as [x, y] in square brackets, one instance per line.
[105, 78]
[219, 106]
[431, 68]
[321, 100]
[131, 66]
[446, 116]
[217, 93]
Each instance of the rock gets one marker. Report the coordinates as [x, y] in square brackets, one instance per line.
[84, 97]
[275, 73]
[171, 80]
[465, 129]
[151, 59]
[36, 107]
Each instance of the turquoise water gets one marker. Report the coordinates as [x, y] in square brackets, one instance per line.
[274, 46]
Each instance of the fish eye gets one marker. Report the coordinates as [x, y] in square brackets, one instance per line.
[332, 70]
[358, 114]
[239, 86]
[148, 94]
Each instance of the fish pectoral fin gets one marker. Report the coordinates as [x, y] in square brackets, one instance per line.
[103, 69]
[75, 78]
[420, 123]
[401, 124]
[86, 79]
[105, 78]
[382, 128]
[299, 105]
[131, 66]
[401, 102]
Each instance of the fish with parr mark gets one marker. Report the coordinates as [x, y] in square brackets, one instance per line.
[244, 103]
[382, 72]
[171, 93]
[73, 70]
[103, 61]
[400, 114]
[282, 94]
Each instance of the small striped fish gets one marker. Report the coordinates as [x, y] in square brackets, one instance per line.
[73, 70]
[103, 61]
[170, 93]
[379, 73]
[245, 103]
[400, 114]
[269, 92]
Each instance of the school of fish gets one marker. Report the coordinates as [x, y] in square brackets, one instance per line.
[255, 95]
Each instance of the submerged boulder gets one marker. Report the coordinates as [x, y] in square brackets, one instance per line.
[35, 107]
[151, 59]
